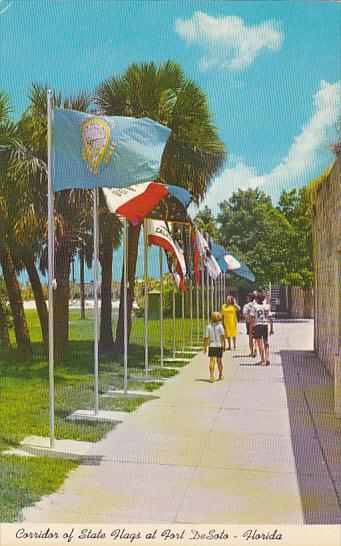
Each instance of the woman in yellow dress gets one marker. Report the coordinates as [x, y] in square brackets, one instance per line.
[229, 313]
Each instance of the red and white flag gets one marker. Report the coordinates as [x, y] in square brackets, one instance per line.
[158, 234]
[209, 261]
[135, 202]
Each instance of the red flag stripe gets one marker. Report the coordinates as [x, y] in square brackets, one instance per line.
[137, 208]
[160, 241]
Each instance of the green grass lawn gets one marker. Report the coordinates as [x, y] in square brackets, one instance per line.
[25, 402]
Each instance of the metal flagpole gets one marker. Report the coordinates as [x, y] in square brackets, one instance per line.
[50, 263]
[161, 306]
[96, 321]
[174, 323]
[212, 295]
[220, 290]
[203, 298]
[146, 333]
[224, 287]
[208, 296]
[183, 308]
[190, 288]
[183, 320]
[198, 313]
[216, 294]
[125, 304]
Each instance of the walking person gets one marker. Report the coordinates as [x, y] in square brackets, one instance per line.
[250, 300]
[215, 341]
[229, 313]
[261, 317]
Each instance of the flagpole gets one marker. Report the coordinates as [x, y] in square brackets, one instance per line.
[146, 332]
[125, 303]
[50, 205]
[174, 322]
[183, 304]
[96, 321]
[161, 306]
[208, 296]
[220, 290]
[224, 287]
[218, 293]
[198, 313]
[190, 287]
[183, 320]
[203, 297]
[212, 295]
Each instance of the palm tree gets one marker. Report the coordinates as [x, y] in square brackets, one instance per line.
[194, 153]
[110, 233]
[9, 142]
[72, 207]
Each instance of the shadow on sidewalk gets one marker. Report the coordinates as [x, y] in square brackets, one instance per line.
[315, 435]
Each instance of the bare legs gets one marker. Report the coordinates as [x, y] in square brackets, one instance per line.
[211, 367]
[220, 367]
[261, 350]
[264, 351]
[229, 343]
[252, 345]
[267, 353]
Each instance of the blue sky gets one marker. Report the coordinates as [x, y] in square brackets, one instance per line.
[259, 108]
[271, 70]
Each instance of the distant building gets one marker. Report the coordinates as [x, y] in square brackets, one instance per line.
[326, 196]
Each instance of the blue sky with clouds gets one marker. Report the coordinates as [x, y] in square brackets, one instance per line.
[271, 70]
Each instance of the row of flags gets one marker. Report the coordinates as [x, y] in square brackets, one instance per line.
[185, 261]
[122, 155]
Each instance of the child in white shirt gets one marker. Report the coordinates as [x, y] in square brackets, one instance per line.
[215, 341]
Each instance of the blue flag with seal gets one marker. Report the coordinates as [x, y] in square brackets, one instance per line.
[90, 151]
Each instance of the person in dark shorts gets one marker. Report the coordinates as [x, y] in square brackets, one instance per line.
[246, 312]
[215, 341]
[261, 317]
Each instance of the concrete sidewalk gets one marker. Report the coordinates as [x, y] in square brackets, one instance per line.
[261, 446]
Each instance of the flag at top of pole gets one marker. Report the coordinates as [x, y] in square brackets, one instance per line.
[90, 151]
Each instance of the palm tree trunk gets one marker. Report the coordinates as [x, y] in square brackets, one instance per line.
[133, 241]
[61, 305]
[4, 333]
[82, 259]
[15, 301]
[38, 296]
[106, 342]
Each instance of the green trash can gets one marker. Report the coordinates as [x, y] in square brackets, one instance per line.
[154, 304]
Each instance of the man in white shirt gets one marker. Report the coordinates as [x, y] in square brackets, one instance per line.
[261, 316]
[215, 341]
[246, 312]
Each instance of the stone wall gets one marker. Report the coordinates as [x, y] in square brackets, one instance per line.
[327, 263]
[302, 303]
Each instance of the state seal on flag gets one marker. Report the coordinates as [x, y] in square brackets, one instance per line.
[97, 144]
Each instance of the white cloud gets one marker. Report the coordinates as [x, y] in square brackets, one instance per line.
[227, 42]
[6, 8]
[299, 165]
